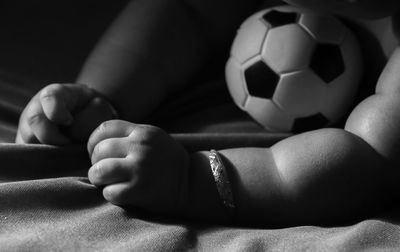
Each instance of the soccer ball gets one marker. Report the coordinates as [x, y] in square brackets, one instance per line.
[294, 70]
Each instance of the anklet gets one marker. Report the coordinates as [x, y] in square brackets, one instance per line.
[222, 181]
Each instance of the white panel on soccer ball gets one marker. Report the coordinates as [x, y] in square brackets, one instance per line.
[342, 91]
[323, 29]
[265, 112]
[288, 48]
[249, 39]
[300, 93]
[234, 76]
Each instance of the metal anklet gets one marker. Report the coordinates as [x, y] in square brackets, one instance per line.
[222, 181]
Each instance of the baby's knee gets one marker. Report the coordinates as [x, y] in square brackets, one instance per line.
[323, 157]
[377, 121]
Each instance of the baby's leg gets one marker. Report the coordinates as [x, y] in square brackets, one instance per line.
[318, 177]
[329, 175]
[377, 118]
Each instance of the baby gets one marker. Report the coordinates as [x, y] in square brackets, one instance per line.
[317, 177]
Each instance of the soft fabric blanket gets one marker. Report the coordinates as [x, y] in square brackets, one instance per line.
[46, 200]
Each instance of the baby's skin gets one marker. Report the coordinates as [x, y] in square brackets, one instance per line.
[316, 177]
[62, 113]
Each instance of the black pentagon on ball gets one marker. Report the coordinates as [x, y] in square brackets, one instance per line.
[277, 18]
[327, 62]
[309, 123]
[261, 80]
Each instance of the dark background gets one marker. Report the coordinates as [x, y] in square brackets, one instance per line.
[48, 41]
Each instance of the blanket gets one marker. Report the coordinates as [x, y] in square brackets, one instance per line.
[46, 200]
